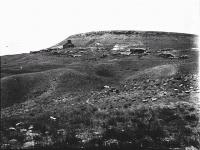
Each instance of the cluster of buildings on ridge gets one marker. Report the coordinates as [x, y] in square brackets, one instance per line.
[70, 49]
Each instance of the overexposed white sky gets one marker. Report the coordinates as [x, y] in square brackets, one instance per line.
[28, 25]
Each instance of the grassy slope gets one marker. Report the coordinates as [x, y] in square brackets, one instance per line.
[28, 63]
[79, 77]
[70, 89]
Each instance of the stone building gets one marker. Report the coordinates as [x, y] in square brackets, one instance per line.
[68, 44]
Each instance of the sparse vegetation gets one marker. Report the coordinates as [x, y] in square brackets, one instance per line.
[51, 100]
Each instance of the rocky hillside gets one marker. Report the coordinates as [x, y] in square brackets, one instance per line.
[105, 90]
[155, 40]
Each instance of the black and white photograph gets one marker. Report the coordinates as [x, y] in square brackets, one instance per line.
[100, 74]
